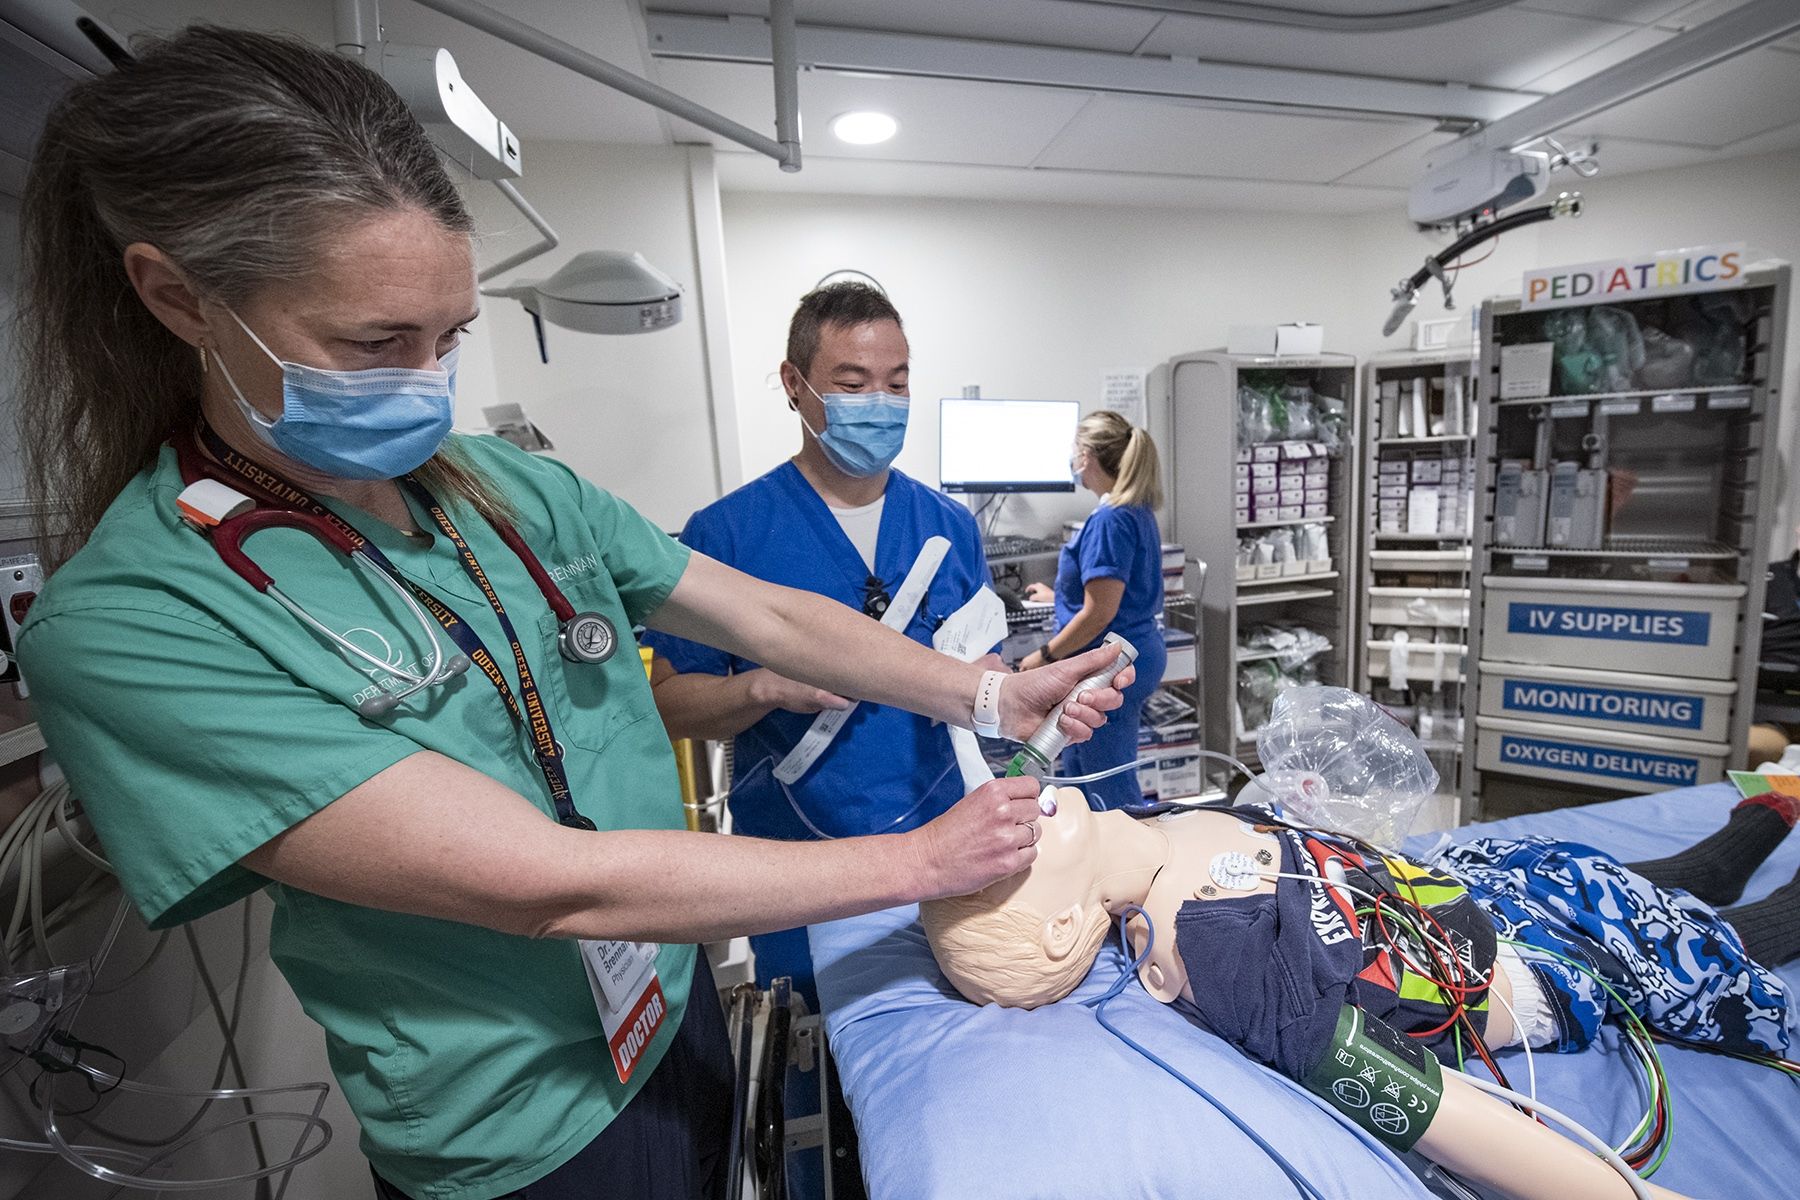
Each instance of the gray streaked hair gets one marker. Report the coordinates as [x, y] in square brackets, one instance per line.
[237, 154]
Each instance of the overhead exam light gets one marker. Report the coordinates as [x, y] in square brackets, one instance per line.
[600, 291]
[864, 128]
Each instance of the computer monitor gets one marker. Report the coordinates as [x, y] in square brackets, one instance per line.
[1006, 445]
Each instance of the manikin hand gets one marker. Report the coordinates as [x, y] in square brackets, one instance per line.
[986, 836]
[1030, 696]
[778, 691]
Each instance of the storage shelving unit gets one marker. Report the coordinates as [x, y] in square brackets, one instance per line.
[1201, 464]
[1621, 542]
[1418, 432]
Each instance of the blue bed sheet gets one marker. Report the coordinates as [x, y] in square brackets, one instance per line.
[954, 1100]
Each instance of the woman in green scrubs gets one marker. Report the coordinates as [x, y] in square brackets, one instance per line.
[246, 247]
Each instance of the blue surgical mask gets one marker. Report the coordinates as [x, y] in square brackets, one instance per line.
[863, 430]
[377, 423]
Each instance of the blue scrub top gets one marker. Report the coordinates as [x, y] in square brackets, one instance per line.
[1115, 543]
[887, 770]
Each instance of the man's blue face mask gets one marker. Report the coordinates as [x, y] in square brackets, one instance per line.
[863, 430]
[377, 423]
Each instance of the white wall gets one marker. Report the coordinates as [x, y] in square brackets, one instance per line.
[633, 414]
[1028, 301]
[1040, 300]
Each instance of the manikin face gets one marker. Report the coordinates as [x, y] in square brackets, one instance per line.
[1030, 939]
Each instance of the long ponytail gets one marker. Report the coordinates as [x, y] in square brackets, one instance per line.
[103, 382]
[1127, 453]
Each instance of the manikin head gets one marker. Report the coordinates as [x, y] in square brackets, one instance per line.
[1031, 939]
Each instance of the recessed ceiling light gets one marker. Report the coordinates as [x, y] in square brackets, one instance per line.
[864, 128]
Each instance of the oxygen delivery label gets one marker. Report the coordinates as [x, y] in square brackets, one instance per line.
[1604, 761]
[1665, 710]
[1656, 626]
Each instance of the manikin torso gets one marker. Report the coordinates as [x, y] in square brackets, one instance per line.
[1194, 840]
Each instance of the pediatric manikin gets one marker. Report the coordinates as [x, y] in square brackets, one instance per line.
[1248, 952]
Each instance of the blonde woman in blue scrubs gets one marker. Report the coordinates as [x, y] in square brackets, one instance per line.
[243, 250]
[1109, 580]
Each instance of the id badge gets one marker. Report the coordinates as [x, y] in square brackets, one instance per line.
[629, 996]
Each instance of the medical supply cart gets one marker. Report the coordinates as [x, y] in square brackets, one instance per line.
[1260, 473]
[1626, 474]
[1417, 481]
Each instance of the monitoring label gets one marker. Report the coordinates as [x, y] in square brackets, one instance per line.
[1669, 710]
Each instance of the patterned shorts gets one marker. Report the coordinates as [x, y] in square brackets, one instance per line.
[1671, 958]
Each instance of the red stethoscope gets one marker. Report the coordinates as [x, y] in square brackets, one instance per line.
[213, 503]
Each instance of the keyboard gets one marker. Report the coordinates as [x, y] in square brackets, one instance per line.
[1013, 546]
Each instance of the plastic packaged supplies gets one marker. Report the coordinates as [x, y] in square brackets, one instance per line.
[1332, 758]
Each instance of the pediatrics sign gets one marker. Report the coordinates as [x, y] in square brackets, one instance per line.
[1665, 273]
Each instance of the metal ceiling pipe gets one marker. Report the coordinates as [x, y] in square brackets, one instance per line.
[784, 57]
[1308, 18]
[537, 42]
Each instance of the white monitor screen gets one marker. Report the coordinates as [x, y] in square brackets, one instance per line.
[1006, 445]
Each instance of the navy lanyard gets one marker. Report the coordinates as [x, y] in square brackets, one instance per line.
[532, 715]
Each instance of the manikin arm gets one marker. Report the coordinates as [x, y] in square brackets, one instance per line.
[1496, 1146]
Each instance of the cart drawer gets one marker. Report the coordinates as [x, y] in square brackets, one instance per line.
[1596, 757]
[1628, 702]
[1651, 628]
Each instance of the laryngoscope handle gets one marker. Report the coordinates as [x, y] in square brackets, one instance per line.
[1047, 742]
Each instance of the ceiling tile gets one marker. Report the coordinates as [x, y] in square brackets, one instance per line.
[1499, 48]
[536, 99]
[941, 120]
[1727, 103]
[1034, 22]
[743, 173]
[1628, 44]
[1698, 13]
[1402, 167]
[1124, 133]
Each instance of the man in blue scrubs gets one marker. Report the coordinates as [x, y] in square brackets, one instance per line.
[838, 520]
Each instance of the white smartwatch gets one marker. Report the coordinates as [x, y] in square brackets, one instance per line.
[987, 704]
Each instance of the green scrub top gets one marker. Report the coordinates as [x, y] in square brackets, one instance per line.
[196, 719]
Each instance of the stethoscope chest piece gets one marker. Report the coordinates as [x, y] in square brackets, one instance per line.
[587, 638]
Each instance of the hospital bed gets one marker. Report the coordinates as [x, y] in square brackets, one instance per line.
[954, 1100]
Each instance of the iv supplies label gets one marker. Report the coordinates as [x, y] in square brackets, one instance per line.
[1638, 765]
[1668, 710]
[1666, 627]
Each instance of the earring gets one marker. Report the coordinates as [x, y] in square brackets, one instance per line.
[202, 348]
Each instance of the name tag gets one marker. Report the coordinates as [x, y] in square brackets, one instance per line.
[629, 996]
